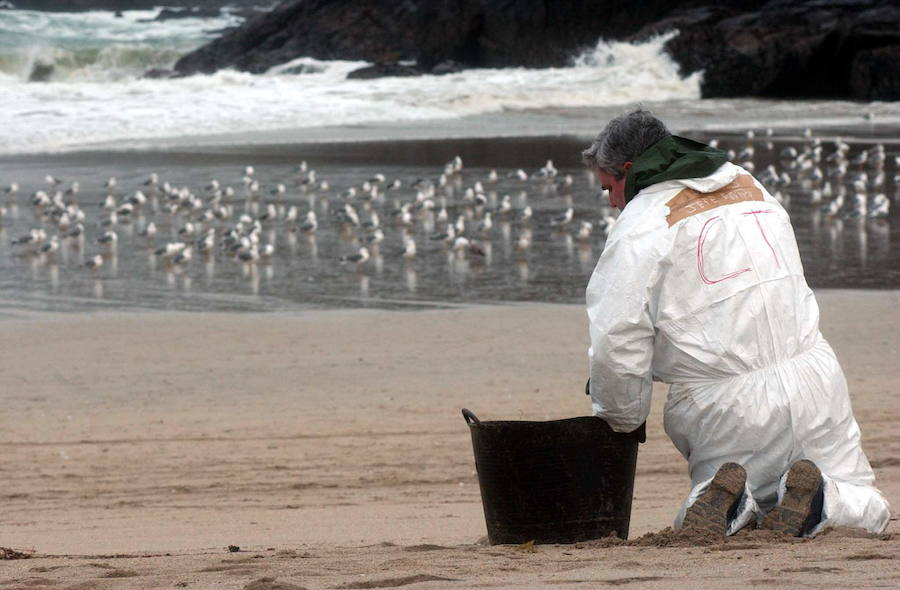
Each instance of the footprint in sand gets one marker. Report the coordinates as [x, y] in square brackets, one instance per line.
[812, 569]
[395, 582]
[271, 584]
[868, 556]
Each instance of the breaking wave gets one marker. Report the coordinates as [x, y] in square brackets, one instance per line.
[95, 93]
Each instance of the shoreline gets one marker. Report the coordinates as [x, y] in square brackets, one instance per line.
[852, 121]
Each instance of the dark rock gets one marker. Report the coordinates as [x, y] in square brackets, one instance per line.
[875, 74]
[160, 74]
[775, 48]
[303, 69]
[812, 49]
[446, 67]
[368, 30]
[384, 70]
[40, 72]
[474, 33]
[195, 12]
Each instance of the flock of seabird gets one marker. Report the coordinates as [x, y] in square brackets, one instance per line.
[457, 212]
[221, 220]
[841, 184]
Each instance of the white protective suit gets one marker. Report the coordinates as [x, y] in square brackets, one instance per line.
[707, 293]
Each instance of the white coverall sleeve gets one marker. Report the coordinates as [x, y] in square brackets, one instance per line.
[622, 332]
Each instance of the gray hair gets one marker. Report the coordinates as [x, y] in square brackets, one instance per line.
[622, 140]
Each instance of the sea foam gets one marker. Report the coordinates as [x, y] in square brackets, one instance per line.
[88, 106]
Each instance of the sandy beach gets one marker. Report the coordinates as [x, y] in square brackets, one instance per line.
[329, 447]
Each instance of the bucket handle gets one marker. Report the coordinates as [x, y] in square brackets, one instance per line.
[470, 417]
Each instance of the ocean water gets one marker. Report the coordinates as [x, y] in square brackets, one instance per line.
[98, 118]
[96, 94]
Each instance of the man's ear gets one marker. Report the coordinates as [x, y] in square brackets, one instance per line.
[626, 166]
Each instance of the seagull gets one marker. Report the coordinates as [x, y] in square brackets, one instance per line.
[248, 255]
[310, 225]
[486, 223]
[448, 235]
[463, 246]
[376, 237]
[460, 224]
[880, 206]
[73, 189]
[409, 248]
[565, 185]
[524, 241]
[833, 206]
[40, 199]
[184, 256]
[584, 231]
[33, 237]
[373, 223]
[525, 214]
[187, 230]
[207, 242]
[109, 239]
[360, 258]
[94, 263]
[505, 205]
[51, 246]
[77, 231]
[563, 219]
[606, 224]
[789, 153]
[548, 171]
[170, 249]
[138, 198]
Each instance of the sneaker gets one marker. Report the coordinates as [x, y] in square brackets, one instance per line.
[717, 506]
[800, 510]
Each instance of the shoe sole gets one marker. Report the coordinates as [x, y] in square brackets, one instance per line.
[712, 509]
[791, 514]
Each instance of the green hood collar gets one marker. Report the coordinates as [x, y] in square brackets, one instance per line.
[672, 158]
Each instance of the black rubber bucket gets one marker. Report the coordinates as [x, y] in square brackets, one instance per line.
[559, 481]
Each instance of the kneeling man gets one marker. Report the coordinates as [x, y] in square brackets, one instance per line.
[700, 286]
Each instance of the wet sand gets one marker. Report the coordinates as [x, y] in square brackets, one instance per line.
[330, 449]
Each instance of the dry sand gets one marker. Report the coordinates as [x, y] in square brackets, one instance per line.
[330, 448]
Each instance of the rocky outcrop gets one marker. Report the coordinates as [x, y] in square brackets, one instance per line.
[812, 49]
[40, 72]
[381, 70]
[779, 48]
[473, 33]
